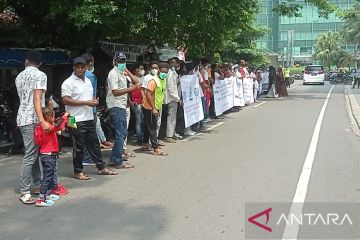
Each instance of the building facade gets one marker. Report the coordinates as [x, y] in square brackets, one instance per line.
[293, 38]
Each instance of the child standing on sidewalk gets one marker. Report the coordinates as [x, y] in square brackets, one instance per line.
[49, 150]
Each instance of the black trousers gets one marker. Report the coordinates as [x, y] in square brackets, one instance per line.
[212, 113]
[358, 82]
[85, 137]
[287, 82]
[151, 128]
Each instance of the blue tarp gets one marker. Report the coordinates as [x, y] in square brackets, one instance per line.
[16, 57]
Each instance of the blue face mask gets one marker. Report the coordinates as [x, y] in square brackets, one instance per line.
[163, 76]
[121, 66]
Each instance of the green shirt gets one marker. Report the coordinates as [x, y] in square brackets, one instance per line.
[287, 72]
[160, 93]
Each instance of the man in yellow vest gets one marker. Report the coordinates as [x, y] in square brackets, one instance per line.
[287, 76]
[154, 87]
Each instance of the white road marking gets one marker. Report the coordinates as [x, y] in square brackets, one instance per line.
[215, 126]
[199, 134]
[262, 103]
[292, 231]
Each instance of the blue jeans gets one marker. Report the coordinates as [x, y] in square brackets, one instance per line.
[49, 167]
[118, 121]
[99, 131]
[139, 119]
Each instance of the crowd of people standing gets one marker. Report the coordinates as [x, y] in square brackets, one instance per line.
[143, 89]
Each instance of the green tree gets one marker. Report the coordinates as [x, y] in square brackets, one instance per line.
[243, 47]
[345, 59]
[351, 26]
[203, 25]
[328, 48]
[292, 8]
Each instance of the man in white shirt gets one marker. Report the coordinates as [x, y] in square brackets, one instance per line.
[117, 102]
[31, 85]
[172, 99]
[78, 98]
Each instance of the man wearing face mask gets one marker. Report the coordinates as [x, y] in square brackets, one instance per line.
[99, 131]
[78, 98]
[172, 99]
[154, 87]
[136, 103]
[116, 100]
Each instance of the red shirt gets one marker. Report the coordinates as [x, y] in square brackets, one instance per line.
[136, 96]
[48, 142]
[244, 72]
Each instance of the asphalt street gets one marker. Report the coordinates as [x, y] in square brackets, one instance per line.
[199, 191]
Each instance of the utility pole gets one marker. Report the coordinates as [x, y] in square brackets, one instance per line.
[288, 48]
[289, 56]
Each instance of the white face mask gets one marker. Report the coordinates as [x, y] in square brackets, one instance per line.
[142, 72]
[154, 72]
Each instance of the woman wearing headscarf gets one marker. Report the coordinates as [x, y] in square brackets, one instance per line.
[272, 83]
[280, 83]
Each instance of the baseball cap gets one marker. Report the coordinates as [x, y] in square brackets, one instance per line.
[79, 60]
[119, 55]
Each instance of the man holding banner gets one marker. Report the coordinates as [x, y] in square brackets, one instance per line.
[192, 103]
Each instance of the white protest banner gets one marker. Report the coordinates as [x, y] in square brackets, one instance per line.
[238, 93]
[248, 90]
[193, 110]
[223, 95]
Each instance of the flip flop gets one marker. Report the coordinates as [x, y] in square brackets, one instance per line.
[81, 176]
[125, 166]
[161, 153]
[130, 154]
[108, 172]
[27, 199]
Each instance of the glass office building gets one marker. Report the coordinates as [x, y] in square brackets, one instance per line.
[294, 38]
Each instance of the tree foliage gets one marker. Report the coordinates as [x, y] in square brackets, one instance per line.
[203, 25]
[345, 59]
[328, 48]
[243, 46]
[292, 8]
[351, 26]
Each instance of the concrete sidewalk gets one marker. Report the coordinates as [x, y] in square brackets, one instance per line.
[352, 100]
